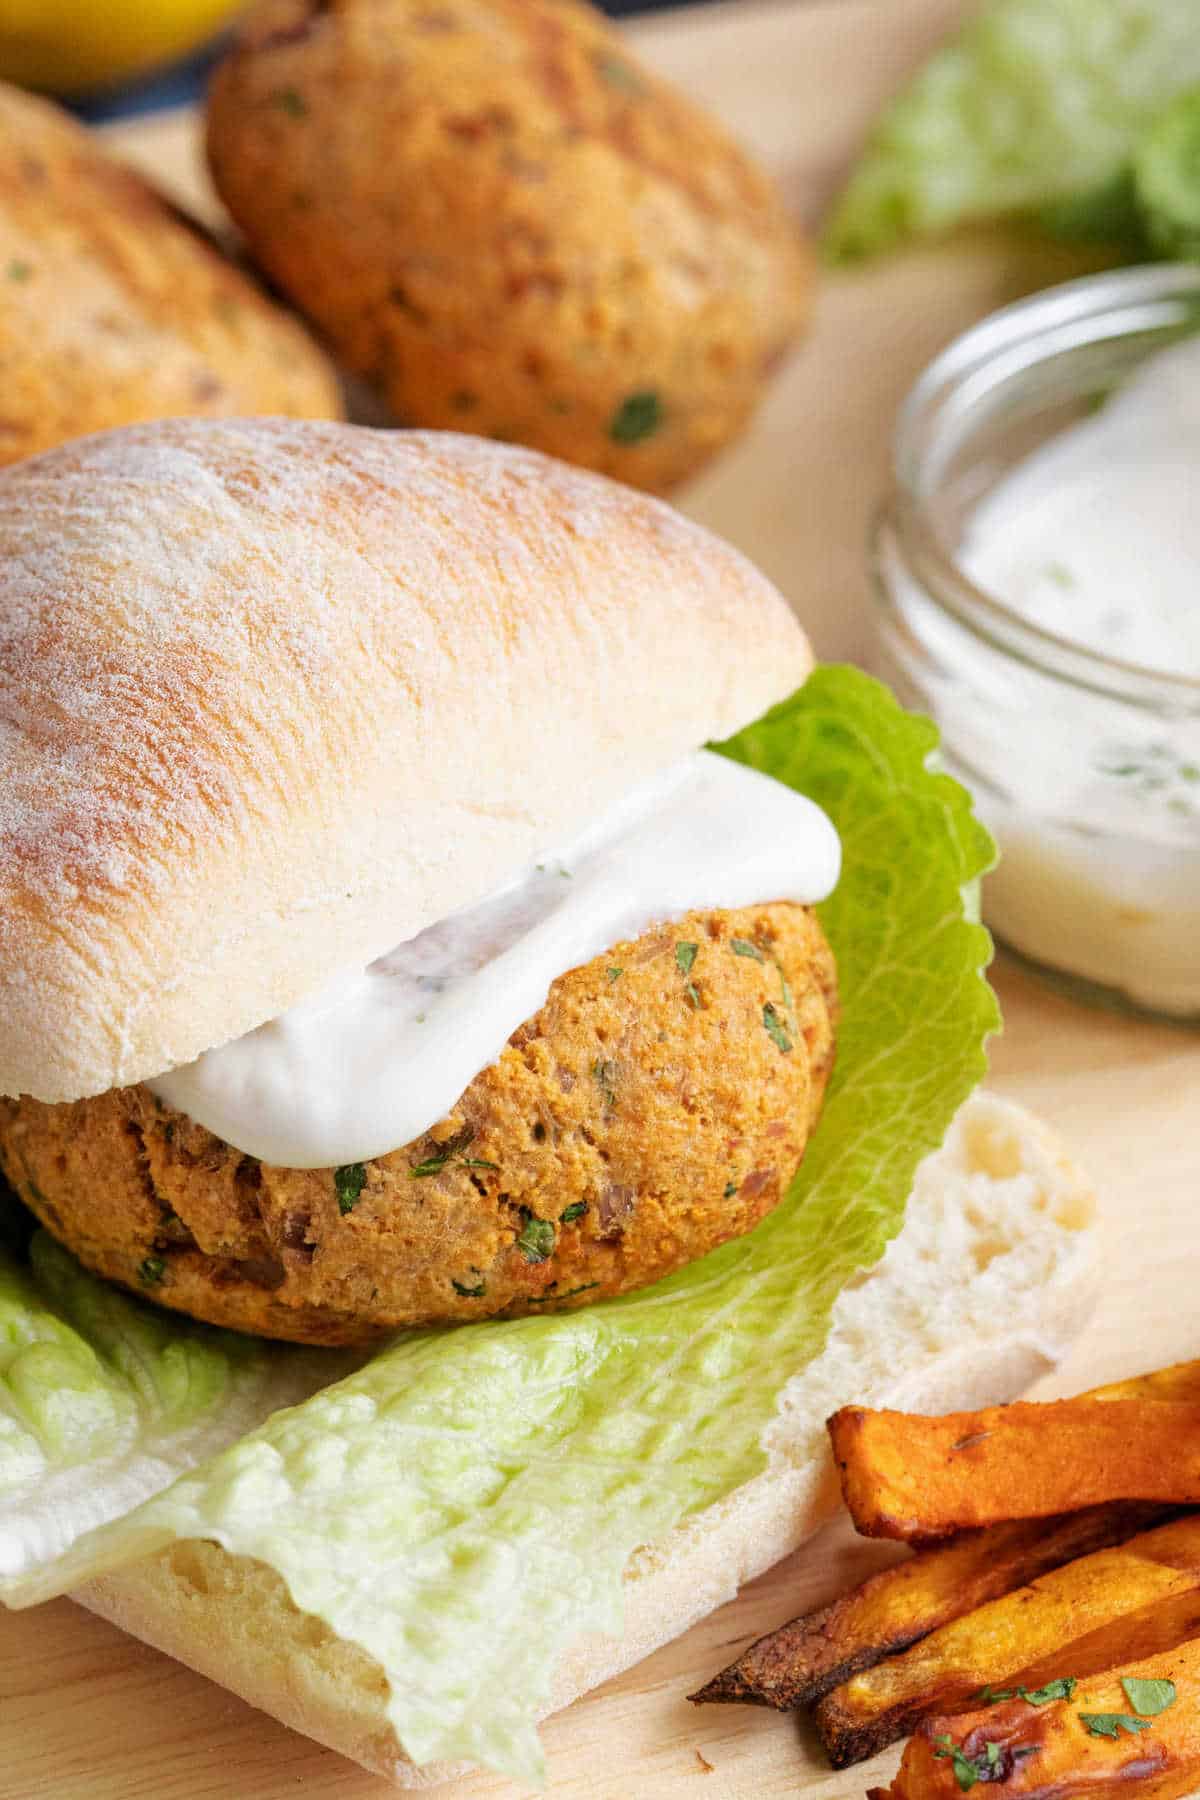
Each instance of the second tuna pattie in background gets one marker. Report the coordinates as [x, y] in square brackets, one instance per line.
[509, 226]
[114, 308]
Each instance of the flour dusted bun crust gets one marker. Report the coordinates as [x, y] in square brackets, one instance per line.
[274, 697]
[992, 1274]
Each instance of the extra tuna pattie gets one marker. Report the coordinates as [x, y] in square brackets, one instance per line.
[508, 225]
[115, 309]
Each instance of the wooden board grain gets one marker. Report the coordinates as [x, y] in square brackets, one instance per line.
[88, 1714]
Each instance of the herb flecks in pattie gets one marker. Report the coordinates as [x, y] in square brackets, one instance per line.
[789, 1004]
[685, 957]
[535, 1240]
[614, 974]
[448, 1152]
[348, 1184]
[151, 1271]
[604, 1074]
[570, 1213]
[18, 270]
[618, 73]
[774, 1028]
[470, 1293]
[743, 947]
[291, 101]
[639, 416]
[550, 1298]
[431, 1165]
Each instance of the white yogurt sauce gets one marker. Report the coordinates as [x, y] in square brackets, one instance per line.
[383, 1053]
[1096, 537]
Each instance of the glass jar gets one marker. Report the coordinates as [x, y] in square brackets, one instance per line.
[1085, 767]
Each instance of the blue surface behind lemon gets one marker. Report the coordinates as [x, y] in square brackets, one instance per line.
[74, 47]
[183, 83]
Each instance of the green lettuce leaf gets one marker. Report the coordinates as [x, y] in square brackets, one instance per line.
[464, 1506]
[1036, 104]
[1166, 179]
[103, 1401]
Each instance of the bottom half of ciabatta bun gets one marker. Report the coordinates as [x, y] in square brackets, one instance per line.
[990, 1278]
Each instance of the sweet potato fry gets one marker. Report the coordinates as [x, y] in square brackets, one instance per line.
[1179, 1381]
[1051, 1752]
[859, 1433]
[914, 1478]
[805, 1659]
[1148, 1631]
[1082, 1617]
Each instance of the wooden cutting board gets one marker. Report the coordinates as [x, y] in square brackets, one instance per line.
[88, 1714]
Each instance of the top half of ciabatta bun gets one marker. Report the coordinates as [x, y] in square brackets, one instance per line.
[274, 696]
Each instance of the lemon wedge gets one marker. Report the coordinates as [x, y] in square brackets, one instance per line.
[73, 46]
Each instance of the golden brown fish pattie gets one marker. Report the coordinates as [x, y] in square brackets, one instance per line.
[114, 308]
[498, 216]
[629, 1127]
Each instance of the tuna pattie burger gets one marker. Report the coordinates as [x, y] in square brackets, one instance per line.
[435, 892]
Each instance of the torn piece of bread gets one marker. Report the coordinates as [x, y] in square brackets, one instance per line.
[983, 1290]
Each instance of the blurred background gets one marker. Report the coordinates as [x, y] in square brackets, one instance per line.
[135, 56]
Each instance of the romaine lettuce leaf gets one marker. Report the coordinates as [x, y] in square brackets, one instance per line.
[1166, 179]
[104, 1401]
[1035, 104]
[463, 1507]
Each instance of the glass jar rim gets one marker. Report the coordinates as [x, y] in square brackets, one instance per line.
[1092, 309]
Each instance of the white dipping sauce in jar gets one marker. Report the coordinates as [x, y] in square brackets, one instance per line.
[1096, 538]
[1038, 580]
